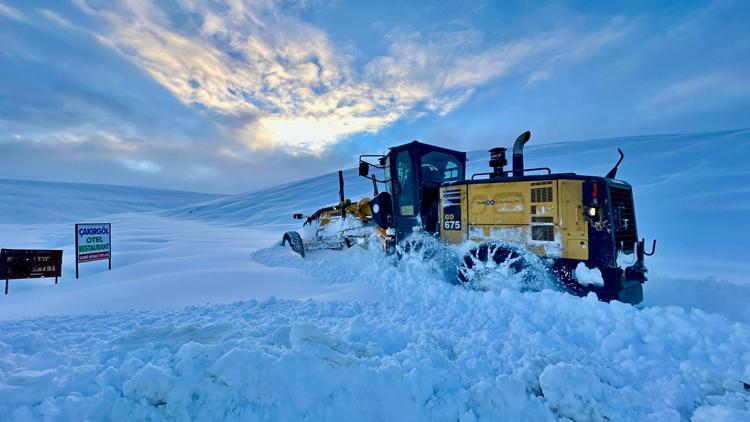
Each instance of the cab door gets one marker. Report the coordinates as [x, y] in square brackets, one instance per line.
[405, 192]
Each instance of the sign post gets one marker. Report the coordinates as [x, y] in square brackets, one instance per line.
[93, 243]
[29, 263]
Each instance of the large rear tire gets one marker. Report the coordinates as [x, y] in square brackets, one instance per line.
[496, 265]
[295, 242]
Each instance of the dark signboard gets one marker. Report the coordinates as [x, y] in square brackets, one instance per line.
[29, 263]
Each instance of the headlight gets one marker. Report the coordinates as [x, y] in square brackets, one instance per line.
[592, 212]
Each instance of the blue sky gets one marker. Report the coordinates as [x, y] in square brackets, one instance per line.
[229, 96]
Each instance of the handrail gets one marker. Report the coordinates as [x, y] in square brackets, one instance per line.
[480, 174]
[506, 173]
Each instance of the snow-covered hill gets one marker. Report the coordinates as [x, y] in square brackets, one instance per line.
[30, 202]
[356, 335]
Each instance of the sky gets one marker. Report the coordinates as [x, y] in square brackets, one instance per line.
[232, 96]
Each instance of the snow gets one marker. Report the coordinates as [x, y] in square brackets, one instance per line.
[587, 276]
[425, 351]
[160, 263]
[23, 202]
[205, 316]
[625, 260]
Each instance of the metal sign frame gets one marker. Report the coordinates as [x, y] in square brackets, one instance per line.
[19, 264]
[109, 253]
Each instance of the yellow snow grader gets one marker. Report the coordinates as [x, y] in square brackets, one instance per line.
[582, 227]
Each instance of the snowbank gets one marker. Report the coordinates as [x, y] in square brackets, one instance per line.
[427, 350]
[433, 351]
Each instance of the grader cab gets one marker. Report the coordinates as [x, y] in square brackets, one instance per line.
[577, 225]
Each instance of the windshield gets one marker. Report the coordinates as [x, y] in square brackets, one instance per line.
[439, 167]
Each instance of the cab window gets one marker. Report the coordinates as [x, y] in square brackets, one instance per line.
[439, 167]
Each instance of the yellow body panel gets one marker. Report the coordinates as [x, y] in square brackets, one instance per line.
[573, 226]
[359, 209]
[453, 206]
[545, 217]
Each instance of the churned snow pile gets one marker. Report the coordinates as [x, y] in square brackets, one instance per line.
[427, 350]
[205, 317]
[588, 276]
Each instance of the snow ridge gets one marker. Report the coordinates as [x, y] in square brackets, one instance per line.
[428, 350]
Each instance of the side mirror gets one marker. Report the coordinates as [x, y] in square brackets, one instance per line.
[364, 169]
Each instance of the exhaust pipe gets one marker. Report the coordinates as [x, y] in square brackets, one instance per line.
[518, 153]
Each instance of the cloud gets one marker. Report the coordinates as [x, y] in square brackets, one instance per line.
[11, 13]
[713, 88]
[272, 81]
[87, 155]
[569, 47]
[141, 165]
[56, 18]
[231, 96]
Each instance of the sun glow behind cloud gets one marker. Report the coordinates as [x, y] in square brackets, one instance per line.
[219, 95]
[276, 82]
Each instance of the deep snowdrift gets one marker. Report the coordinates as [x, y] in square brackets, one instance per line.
[427, 350]
[355, 334]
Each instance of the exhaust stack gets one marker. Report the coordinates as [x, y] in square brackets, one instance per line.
[518, 153]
